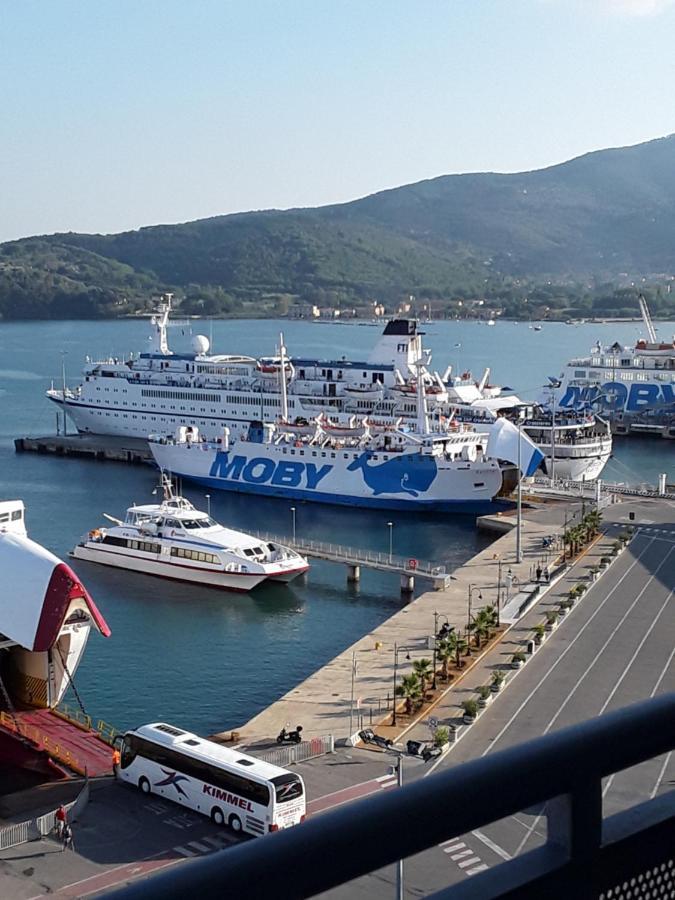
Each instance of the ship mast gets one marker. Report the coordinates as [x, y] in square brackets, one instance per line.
[422, 417]
[282, 376]
[647, 319]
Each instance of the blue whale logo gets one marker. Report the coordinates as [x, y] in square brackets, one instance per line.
[406, 474]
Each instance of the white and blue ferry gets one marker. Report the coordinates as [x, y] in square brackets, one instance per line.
[390, 467]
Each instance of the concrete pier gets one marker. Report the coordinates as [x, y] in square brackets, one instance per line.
[322, 702]
[353, 573]
[91, 446]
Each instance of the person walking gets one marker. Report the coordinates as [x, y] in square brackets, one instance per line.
[538, 574]
[61, 819]
[67, 837]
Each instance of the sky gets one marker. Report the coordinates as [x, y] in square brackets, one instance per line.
[116, 114]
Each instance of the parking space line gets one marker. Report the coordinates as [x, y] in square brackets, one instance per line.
[491, 844]
[453, 849]
[468, 862]
[481, 868]
[185, 852]
[461, 855]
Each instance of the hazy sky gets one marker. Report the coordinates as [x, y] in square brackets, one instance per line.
[121, 113]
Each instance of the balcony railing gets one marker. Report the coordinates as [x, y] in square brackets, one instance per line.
[586, 855]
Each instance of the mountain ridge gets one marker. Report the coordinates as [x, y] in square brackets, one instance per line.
[597, 217]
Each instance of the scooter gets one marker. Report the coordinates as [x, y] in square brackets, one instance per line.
[291, 737]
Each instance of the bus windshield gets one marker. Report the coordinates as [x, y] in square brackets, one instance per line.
[287, 787]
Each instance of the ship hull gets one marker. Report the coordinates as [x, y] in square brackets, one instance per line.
[380, 481]
[238, 583]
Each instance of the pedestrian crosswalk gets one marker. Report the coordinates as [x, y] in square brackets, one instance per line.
[464, 856]
[208, 844]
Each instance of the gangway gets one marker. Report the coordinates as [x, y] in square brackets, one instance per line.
[354, 558]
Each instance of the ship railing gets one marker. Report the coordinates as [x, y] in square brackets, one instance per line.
[41, 739]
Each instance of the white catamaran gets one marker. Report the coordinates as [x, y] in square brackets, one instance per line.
[174, 540]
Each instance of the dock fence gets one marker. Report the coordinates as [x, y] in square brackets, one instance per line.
[40, 826]
[294, 753]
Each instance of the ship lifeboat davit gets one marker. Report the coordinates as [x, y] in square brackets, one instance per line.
[46, 615]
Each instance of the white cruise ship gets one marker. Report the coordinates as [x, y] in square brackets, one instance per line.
[158, 391]
[174, 540]
[625, 382]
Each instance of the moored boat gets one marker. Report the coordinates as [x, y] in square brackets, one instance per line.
[174, 540]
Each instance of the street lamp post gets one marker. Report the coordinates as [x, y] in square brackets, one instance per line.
[208, 503]
[499, 592]
[519, 515]
[390, 526]
[399, 864]
[397, 650]
[437, 616]
[293, 519]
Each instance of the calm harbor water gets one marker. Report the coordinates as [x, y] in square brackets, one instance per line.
[209, 660]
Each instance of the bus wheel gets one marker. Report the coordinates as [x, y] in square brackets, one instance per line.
[235, 823]
[217, 816]
[144, 785]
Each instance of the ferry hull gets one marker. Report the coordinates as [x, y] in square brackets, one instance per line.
[238, 583]
[466, 488]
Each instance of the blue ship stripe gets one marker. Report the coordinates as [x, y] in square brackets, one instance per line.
[470, 507]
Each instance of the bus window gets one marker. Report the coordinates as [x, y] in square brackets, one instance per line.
[287, 787]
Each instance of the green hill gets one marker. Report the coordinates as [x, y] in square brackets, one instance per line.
[603, 217]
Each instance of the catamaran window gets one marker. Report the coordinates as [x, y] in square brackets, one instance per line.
[249, 552]
[287, 787]
[16, 514]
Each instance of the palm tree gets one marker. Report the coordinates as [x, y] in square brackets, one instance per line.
[445, 650]
[481, 626]
[457, 645]
[409, 688]
[423, 669]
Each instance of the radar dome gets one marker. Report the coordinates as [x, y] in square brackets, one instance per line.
[200, 344]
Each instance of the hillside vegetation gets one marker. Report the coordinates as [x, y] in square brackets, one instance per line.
[562, 238]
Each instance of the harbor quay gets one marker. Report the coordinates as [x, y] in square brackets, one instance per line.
[355, 689]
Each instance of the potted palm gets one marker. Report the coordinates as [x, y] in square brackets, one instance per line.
[517, 659]
[595, 571]
[604, 561]
[441, 736]
[484, 692]
[497, 682]
[551, 619]
[470, 708]
[539, 633]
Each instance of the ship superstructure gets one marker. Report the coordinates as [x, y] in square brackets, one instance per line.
[159, 390]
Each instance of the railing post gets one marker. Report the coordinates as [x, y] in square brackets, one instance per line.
[575, 820]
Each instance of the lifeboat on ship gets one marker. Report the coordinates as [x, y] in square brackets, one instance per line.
[352, 429]
[299, 426]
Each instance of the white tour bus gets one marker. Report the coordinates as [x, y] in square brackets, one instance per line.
[234, 789]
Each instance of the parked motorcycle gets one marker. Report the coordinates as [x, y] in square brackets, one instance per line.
[290, 737]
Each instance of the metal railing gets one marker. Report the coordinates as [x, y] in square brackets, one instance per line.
[357, 556]
[294, 753]
[608, 487]
[585, 854]
[42, 740]
[39, 826]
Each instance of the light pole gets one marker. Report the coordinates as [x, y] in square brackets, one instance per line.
[499, 592]
[208, 503]
[437, 616]
[519, 516]
[293, 519]
[390, 526]
[399, 864]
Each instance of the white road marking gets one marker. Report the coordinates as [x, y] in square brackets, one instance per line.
[616, 686]
[567, 649]
[185, 852]
[469, 862]
[564, 653]
[491, 844]
[216, 841]
[481, 868]
[461, 855]
[661, 774]
[201, 847]
[453, 849]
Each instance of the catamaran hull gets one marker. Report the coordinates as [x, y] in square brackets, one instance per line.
[229, 581]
